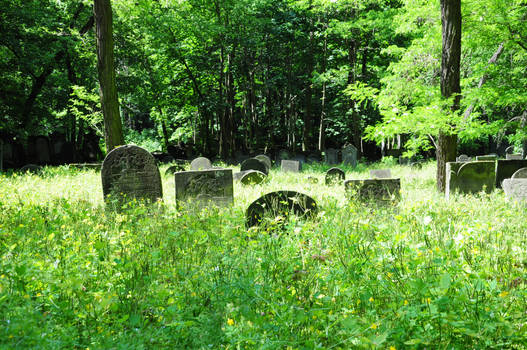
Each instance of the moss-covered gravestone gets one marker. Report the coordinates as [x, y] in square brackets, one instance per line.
[349, 155]
[130, 172]
[280, 203]
[335, 176]
[470, 177]
[205, 187]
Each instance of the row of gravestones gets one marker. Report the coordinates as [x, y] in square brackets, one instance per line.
[130, 172]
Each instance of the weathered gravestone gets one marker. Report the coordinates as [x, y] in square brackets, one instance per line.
[520, 174]
[254, 164]
[31, 168]
[515, 188]
[487, 157]
[331, 156]
[378, 190]
[381, 173]
[470, 177]
[280, 203]
[513, 156]
[463, 158]
[349, 155]
[335, 176]
[266, 160]
[205, 187]
[253, 177]
[291, 166]
[200, 163]
[130, 172]
[506, 168]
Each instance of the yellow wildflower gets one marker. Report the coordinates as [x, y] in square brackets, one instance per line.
[373, 326]
[230, 322]
[371, 299]
[504, 294]
[392, 348]
[405, 302]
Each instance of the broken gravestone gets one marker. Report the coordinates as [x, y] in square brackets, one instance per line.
[291, 166]
[470, 177]
[200, 163]
[130, 172]
[280, 204]
[378, 190]
[205, 187]
[381, 173]
[253, 177]
[335, 176]
[254, 164]
[349, 155]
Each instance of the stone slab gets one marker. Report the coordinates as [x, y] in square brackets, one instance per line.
[383, 190]
[470, 177]
[381, 173]
[506, 168]
[205, 187]
[515, 188]
[513, 156]
[291, 166]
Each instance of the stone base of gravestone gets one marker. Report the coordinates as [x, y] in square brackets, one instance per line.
[378, 190]
[293, 166]
[205, 187]
[335, 176]
[253, 177]
[506, 168]
[470, 177]
[280, 203]
[381, 173]
[515, 189]
[513, 157]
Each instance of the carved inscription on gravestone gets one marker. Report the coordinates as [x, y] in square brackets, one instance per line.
[214, 186]
[130, 172]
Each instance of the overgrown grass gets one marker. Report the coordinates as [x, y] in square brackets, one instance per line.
[426, 273]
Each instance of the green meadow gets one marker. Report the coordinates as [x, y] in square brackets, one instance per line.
[423, 273]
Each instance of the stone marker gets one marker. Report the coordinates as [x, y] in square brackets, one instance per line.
[463, 158]
[200, 163]
[487, 157]
[205, 187]
[174, 169]
[513, 156]
[266, 160]
[470, 177]
[291, 166]
[331, 156]
[349, 155]
[253, 177]
[379, 190]
[520, 174]
[506, 168]
[509, 150]
[515, 188]
[381, 173]
[280, 203]
[254, 164]
[31, 168]
[130, 172]
[335, 176]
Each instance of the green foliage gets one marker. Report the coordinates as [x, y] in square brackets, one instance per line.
[424, 273]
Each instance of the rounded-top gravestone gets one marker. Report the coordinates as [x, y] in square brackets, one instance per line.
[200, 163]
[335, 176]
[280, 203]
[253, 177]
[265, 159]
[130, 172]
[254, 164]
[520, 174]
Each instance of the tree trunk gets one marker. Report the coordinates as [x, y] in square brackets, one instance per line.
[113, 130]
[308, 113]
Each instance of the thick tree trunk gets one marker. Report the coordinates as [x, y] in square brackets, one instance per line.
[450, 84]
[113, 130]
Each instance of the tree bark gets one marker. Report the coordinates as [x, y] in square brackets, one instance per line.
[113, 130]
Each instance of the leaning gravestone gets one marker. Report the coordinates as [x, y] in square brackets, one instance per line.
[378, 190]
[381, 173]
[280, 203]
[331, 156]
[515, 188]
[254, 164]
[200, 163]
[205, 187]
[520, 174]
[470, 177]
[349, 155]
[463, 158]
[293, 166]
[335, 176]
[506, 168]
[130, 172]
[266, 160]
[513, 156]
[253, 177]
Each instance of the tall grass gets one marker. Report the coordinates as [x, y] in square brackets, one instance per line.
[424, 273]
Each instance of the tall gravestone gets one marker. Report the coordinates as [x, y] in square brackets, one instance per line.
[200, 163]
[331, 156]
[349, 155]
[205, 187]
[293, 166]
[130, 172]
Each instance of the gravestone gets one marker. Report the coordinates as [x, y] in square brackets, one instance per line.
[509, 150]
[506, 168]
[487, 157]
[266, 160]
[130, 172]
[280, 203]
[291, 166]
[254, 164]
[520, 174]
[31, 168]
[313, 157]
[174, 169]
[513, 156]
[300, 158]
[205, 187]
[349, 155]
[381, 173]
[200, 163]
[42, 150]
[331, 156]
[470, 177]
[463, 158]
[253, 177]
[238, 175]
[378, 190]
[515, 188]
[335, 176]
